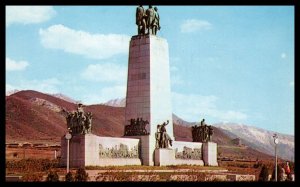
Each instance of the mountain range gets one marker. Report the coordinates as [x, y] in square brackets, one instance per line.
[257, 138]
[33, 116]
[261, 139]
[121, 102]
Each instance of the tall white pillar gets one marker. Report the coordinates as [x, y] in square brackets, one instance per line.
[148, 88]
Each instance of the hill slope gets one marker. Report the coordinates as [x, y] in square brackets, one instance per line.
[261, 139]
[36, 117]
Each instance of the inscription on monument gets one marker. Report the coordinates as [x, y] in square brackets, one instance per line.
[120, 151]
[189, 153]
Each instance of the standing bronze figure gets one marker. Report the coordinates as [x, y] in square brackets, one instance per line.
[163, 140]
[150, 12]
[141, 20]
[155, 24]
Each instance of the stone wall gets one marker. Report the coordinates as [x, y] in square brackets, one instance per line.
[92, 150]
[188, 153]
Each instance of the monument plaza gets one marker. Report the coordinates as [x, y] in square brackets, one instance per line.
[148, 128]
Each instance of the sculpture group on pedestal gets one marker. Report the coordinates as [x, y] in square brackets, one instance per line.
[147, 20]
[137, 127]
[79, 122]
[202, 133]
[162, 138]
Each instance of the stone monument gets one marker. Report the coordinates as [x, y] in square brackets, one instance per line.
[203, 134]
[148, 86]
[148, 130]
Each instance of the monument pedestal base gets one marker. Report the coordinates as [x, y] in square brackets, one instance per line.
[210, 154]
[93, 150]
[164, 157]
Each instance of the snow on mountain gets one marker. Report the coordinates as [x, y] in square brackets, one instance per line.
[47, 104]
[261, 139]
[10, 92]
[182, 122]
[120, 102]
[257, 138]
[64, 97]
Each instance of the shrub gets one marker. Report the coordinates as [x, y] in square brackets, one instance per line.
[52, 176]
[81, 175]
[264, 174]
[258, 164]
[69, 177]
[31, 165]
[15, 155]
[32, 177]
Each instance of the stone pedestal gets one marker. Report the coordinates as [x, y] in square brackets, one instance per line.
[91, 150]
[77, 151]
[210, 154]
[164, 157]
[148, 88]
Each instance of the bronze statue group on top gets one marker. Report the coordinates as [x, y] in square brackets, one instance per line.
[147, 20]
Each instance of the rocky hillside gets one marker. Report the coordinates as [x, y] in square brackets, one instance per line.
[261, 139]
[37, 117]
[34, 116]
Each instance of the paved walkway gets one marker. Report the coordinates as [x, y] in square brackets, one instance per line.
[178, 175]
[95, 172]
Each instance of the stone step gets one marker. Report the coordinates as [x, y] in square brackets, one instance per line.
[160, 171]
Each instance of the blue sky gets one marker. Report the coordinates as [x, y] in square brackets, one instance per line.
[227, 63]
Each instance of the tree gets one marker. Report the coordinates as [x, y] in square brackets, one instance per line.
[264, 174]
[52, 176]
[69, 177]
[81, 175]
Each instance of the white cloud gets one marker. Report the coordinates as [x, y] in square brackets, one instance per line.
[227, 116]
[105, 95]
[9, 90]
[28, 14]
[12, 65]
[105, 73]
[95, 46]
[192, 107]
[193, 25]
[292, 84]
[283, 55]
[45, 86]
[9, 87]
